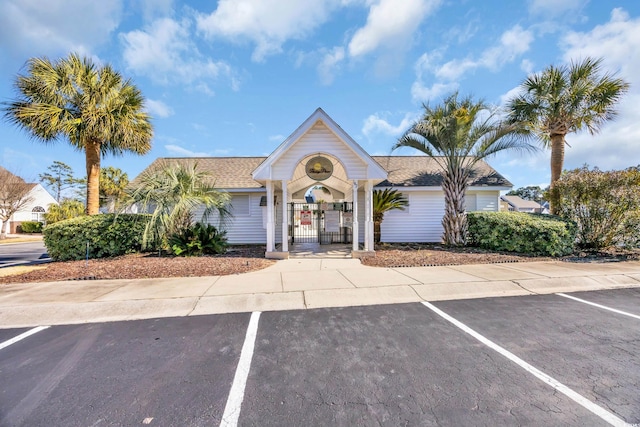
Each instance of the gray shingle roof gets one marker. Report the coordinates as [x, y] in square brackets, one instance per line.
[404, 171]
[227, 172]
[423, 171]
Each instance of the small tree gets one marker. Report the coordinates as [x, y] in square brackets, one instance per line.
[14, 195]
[384, 201]
[601, 204]
[173, 193]
[59, 178]
[113, 184]
[67, 209]
[533, 193]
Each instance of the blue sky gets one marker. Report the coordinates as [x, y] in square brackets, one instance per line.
[236, 77]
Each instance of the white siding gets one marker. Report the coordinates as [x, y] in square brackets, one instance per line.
[420, 222]
[319, 139]
[40, 197]
[246, 226]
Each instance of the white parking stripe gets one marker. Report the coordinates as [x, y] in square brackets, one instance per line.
[586, 403]
[236, 395]
[22, 336]
[604, 307]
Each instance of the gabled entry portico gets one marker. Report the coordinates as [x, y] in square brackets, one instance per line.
[319, 152]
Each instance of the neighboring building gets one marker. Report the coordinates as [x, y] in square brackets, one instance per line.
[34, 210]
[518, 204]
[319, 152]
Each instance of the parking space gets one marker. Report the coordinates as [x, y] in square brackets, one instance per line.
[401, 364]
[169, 372]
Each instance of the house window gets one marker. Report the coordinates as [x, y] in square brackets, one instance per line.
[241, 205]
[37, 214]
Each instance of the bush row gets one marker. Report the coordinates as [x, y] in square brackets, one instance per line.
[31, 227]
[534, 234]
[101, 236]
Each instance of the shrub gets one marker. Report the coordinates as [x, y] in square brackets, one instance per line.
[107, 235]
[31, 227]
[199, 239]
[534, 234]
[602, 204]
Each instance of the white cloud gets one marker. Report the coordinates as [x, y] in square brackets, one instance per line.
[378, 124]
[422, 93]
[267, 23]
[526, 66]
[55, 27]
[618, 43]
[390, 24]
[176, 150]
[331, 64]
[165, 53]
[554, 7]
[513, 43]
[277, 138]
[158, 108]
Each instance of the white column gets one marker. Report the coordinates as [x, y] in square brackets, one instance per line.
[271, 232]
[368, 217]
[285, 218]
[354, 223]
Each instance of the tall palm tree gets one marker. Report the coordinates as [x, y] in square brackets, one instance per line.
[384, 201]
[458, 134]
[94, 108]
[562, 100]
[173, 193]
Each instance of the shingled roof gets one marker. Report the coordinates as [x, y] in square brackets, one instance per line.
[404, 171]
[423, 171]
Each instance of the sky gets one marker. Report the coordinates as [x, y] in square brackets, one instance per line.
[236, 77]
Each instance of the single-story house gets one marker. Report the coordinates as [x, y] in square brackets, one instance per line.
[271, 195]
[518, 204]
[37, 203]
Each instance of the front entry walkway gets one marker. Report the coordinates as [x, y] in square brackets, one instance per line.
[316, 250]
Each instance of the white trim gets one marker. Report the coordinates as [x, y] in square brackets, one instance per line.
[374, 170]
[231, 412]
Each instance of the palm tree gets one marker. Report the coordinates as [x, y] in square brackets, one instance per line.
[173, 193]
[457, 135]
[562, 100]
[93, 107]
[384, 201]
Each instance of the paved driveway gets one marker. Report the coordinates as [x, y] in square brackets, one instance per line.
[23, 254]
[528, 360]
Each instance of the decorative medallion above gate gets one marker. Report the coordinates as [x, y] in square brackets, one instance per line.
[319, 168]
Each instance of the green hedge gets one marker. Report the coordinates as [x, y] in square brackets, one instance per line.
[31, 227]
[107, 234]
[534, 234]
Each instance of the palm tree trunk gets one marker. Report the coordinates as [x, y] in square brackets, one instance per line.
[454, 221]
[92, 151]
[557, 161]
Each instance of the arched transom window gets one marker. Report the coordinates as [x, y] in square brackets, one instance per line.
[37, 214]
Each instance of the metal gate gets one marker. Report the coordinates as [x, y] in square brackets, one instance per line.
[323, 223]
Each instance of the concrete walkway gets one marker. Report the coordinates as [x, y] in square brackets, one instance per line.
[297, 284]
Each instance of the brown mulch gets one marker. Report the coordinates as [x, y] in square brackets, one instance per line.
[141, 266]
[243, 259]
[424, 254]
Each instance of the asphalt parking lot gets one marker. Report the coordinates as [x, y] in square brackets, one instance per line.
[528, 360]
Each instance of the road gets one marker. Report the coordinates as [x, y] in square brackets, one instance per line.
[534, 360]
[13, 254]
